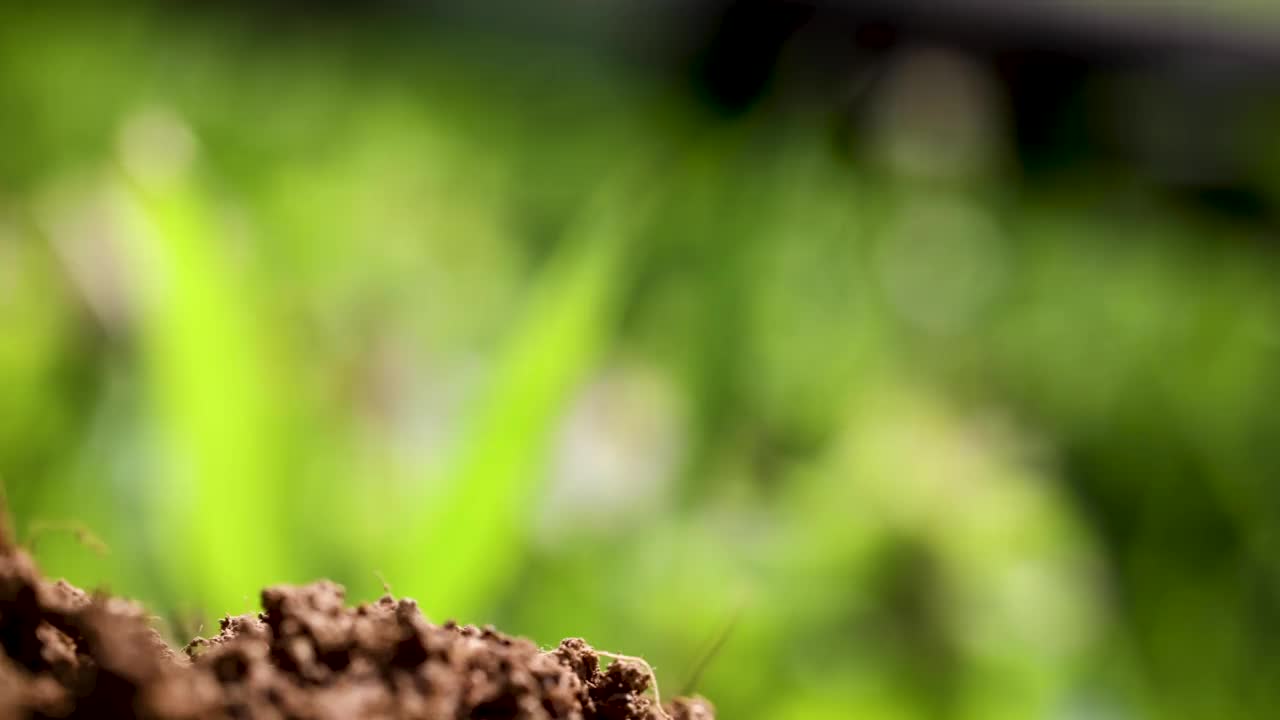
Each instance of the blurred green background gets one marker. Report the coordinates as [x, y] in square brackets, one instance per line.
[549, 342]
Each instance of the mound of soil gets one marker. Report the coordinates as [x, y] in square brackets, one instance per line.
[67, 654]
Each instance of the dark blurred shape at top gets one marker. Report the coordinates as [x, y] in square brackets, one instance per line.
[1166, 91]
[739, 60]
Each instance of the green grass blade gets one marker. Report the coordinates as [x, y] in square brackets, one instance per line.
[214, 402]
[468, 538]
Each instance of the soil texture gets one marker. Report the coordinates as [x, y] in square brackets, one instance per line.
[65, 653]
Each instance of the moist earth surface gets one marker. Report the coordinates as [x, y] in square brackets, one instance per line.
[67, 654]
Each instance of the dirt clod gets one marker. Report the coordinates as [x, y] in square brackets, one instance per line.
[67, 654]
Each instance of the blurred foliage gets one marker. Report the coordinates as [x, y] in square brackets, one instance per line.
[527, 333]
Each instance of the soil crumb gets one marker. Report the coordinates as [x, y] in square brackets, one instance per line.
[67, 654]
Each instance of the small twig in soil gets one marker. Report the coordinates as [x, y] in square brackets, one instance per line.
[653, 677]
[6, 523]
[713, 649]
[83, 535]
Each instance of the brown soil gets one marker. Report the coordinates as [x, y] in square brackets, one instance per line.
[67, 654]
